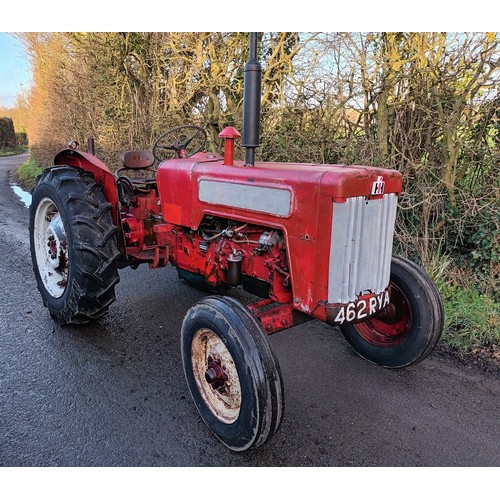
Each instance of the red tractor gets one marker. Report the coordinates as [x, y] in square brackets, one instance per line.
[308, 240]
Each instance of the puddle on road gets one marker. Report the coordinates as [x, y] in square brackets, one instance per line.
[24, 195]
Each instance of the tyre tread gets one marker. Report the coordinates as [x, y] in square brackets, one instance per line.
[94, 245]
[262, 365]
[431, 318]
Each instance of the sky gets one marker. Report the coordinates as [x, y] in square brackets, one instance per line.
[15, 71]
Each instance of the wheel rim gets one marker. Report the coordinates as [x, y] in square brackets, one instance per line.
[216, 376]
[392, 325]
[51, 247]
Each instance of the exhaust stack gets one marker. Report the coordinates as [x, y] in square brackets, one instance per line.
[251, 103]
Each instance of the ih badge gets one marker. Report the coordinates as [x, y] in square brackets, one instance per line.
[378, 186]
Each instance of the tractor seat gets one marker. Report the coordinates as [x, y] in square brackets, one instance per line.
[137, 159]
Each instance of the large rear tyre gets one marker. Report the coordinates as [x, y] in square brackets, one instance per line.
[232, 373]
[73, 245]
[407, 330]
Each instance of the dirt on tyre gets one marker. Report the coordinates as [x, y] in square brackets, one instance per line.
[73, 245]
[407, 330]
[232, 373]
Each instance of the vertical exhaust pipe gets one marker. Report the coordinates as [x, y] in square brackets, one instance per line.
[91, 146]
[252, 83]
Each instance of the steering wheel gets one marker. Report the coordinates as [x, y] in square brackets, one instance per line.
[185, 141]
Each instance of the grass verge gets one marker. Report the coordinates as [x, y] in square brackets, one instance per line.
[13, 150]
[27, 173]
[472, 320]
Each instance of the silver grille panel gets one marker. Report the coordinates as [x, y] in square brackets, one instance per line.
[274, 201]
[361, 248]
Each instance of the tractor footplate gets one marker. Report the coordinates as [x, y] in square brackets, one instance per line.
[275, 317]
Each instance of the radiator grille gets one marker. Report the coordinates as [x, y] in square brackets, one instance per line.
[361, 247]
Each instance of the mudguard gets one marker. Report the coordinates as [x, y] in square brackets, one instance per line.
[103, 176]
[101, 173]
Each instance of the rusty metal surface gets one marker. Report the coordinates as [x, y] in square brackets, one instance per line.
[274, 317]
[216, 376]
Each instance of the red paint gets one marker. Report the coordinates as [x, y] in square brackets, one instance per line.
[164, 226]
[273, 319]
[229, 134]
[307, 230]
[392, 326]
[101, 173]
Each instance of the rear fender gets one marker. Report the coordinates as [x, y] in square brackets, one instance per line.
[102, 175]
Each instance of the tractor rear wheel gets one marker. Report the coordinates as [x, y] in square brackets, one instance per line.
[407, 330]
[73, 245]
[232, 373]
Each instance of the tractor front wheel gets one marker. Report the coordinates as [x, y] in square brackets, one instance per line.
[406, 331]
[232, 373]
[73, 245]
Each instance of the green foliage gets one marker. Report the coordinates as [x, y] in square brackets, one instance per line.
[22, 139]
[7, 133]
[27, 173]
[472, 318]
[12, 150]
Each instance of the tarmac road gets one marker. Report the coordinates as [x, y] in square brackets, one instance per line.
[114, 394]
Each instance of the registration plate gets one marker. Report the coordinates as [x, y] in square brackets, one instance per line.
[361, 309]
